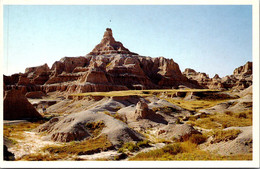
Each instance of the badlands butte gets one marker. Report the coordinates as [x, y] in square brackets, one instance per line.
[113, 104]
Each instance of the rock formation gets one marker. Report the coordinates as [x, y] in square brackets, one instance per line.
[16, 106]
[240, 79]
[110, 66]
[108, 45]
[142, 110]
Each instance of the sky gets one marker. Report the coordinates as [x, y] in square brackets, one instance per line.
[214, 39]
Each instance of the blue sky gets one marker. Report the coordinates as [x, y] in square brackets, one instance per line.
[207, 38]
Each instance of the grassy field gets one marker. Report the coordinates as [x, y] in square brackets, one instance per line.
[141, 92]
[194, 105]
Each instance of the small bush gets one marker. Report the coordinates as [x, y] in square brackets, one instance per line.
[197, 138]
[242, 115]
[144, 143]
[95, 128]
[172, 149]
[230, 113]
[132, 146]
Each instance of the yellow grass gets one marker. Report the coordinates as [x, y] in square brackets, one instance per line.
[14, 131]
[140, 92]
[81, 147]
[185, 151]
[224, 135]
[222, 120]
[195, 105]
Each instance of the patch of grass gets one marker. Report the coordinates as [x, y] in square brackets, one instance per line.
[224, 135]
[14, 131]
[159, 154]
[140, 92]
[194, 105]
[44, 157]
[133, 146]
[224, 120]
[95, 128]
[184, 151]
[116, 116]
[197, 138]
[89, 146]
[166, 110]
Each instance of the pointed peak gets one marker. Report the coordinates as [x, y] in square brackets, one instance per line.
[108, 45]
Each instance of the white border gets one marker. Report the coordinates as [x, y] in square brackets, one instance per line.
[150, 164]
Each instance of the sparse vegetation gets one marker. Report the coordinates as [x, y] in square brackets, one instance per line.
[140, 92]
[88, 146]
[224, 135]
[224, 120]
[95, 128]
[159, 154]
[116, 116]
[184, 151]
[195, 105]
[167, 110]
[14, 131]
[44, 157]
[197, 138]
[133, 146]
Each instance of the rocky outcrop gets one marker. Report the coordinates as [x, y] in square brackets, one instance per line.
[141, 111]
[16, 106]
[240, 79]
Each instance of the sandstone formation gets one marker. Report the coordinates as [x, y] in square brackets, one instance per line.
[16, 106]
[110, 66]
[240, 79]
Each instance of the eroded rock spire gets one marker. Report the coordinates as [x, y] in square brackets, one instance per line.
[108, 45]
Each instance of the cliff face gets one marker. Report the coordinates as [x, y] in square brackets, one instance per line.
[110, 66]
